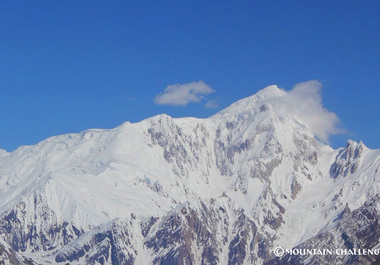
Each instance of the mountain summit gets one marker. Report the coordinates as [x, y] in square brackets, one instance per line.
[224, 190]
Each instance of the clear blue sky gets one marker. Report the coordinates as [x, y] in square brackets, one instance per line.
[66, 66]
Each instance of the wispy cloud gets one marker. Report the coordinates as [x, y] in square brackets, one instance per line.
[212, 104]
[182, 94]
[305, 102]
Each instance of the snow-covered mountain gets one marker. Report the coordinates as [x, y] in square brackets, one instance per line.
[223, 190]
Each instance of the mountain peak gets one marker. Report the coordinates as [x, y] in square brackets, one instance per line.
[253, 103]
[270, 92]
[249, 175]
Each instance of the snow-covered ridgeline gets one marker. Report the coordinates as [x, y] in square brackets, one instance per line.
[258, 165]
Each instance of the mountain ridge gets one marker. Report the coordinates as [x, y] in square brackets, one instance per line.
[222, 190]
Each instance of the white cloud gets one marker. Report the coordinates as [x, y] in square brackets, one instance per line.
[212, 104]
[182, 94]
[305, 102]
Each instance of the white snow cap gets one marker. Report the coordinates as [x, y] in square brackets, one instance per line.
[3, 153]
[303, 102]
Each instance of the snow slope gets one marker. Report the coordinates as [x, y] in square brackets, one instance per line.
[249, 177]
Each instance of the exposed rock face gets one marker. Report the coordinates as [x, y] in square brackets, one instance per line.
[348, 159]
[353, 234]
[112, 243]
[224, 190]
[42, 234]
[9, 257]
[206, 235]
